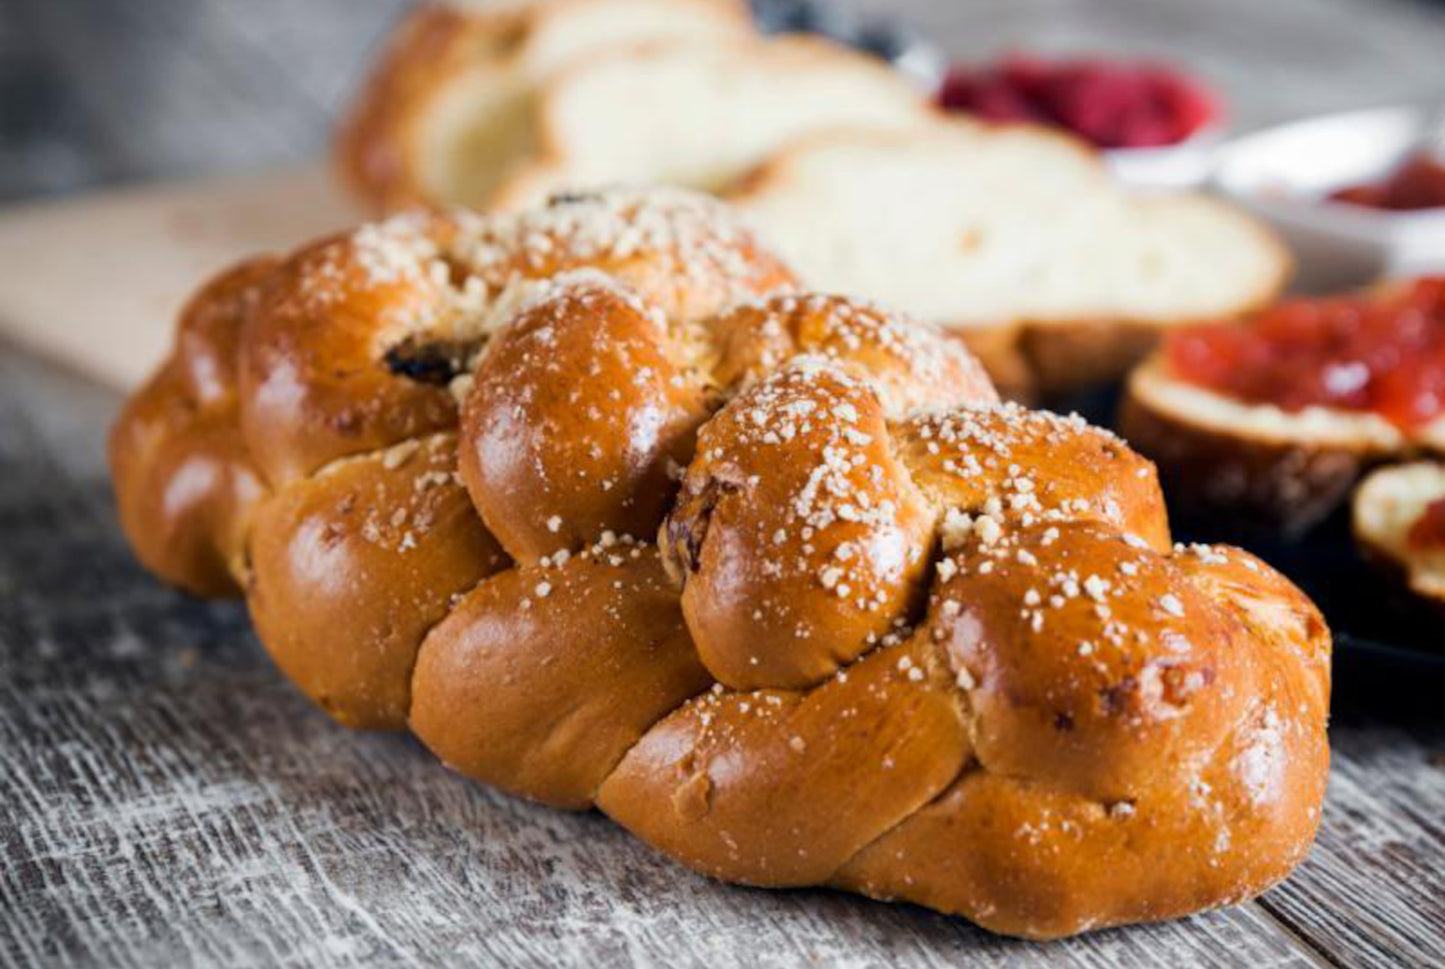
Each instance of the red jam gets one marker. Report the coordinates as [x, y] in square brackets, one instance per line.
[1111, 105]
[1429, 531]
[1384, 355]
[1419, 183]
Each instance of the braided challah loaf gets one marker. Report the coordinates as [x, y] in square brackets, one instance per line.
[894, 636]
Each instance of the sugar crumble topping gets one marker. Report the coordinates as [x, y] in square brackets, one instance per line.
[909, 362]
[814, 410]
[808, 341]
[463, 275]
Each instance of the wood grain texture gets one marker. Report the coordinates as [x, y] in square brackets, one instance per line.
[95, 280]
[1376, 889]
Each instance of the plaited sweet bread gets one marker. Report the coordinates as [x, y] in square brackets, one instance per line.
[608, 514]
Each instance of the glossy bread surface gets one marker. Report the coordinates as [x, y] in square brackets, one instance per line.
[595, 504]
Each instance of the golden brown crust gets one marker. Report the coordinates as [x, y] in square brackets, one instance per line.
[351, 567]
[575, 416]
[541, 680]
[797, 524]
[185, 485]
[189, 487]
[313, 379]
[1014, 699]
[1041, 847]
[301, 441]
[799, 534]
[904, 362]
[1018, 465]
[781, 788]
[1116, 670]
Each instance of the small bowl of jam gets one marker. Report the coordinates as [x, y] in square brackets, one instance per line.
[1156, 125]
[1358, 196]
[1416, 184]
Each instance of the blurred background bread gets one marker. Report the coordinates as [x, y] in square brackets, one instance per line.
[450, 106]
[1397, 513]
[1015, 237]
[496, 105]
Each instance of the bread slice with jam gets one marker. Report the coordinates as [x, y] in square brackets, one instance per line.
[1399, 522]
[1266, 425]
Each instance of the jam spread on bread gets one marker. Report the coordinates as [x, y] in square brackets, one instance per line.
[1112, 105]
[1429, 530]
[1383, 354]
[1418, 183]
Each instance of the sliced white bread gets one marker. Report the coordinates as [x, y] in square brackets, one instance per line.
[1255, 467]
[447, 111]
[702, 114]
[1386, 507]
[1015, 237]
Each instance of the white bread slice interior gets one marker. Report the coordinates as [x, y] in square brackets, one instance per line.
[449, 109]
[975, 225]
[702, 115]
[1387, 506]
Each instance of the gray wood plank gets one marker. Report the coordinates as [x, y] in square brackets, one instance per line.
[98, 91]
[1373, 891]
[166, 798]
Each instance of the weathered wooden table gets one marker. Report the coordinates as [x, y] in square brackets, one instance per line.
[166, 798]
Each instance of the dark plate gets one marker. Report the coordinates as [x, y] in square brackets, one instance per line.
[1372, 621]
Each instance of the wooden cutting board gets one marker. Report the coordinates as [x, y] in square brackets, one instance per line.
[95, 281]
